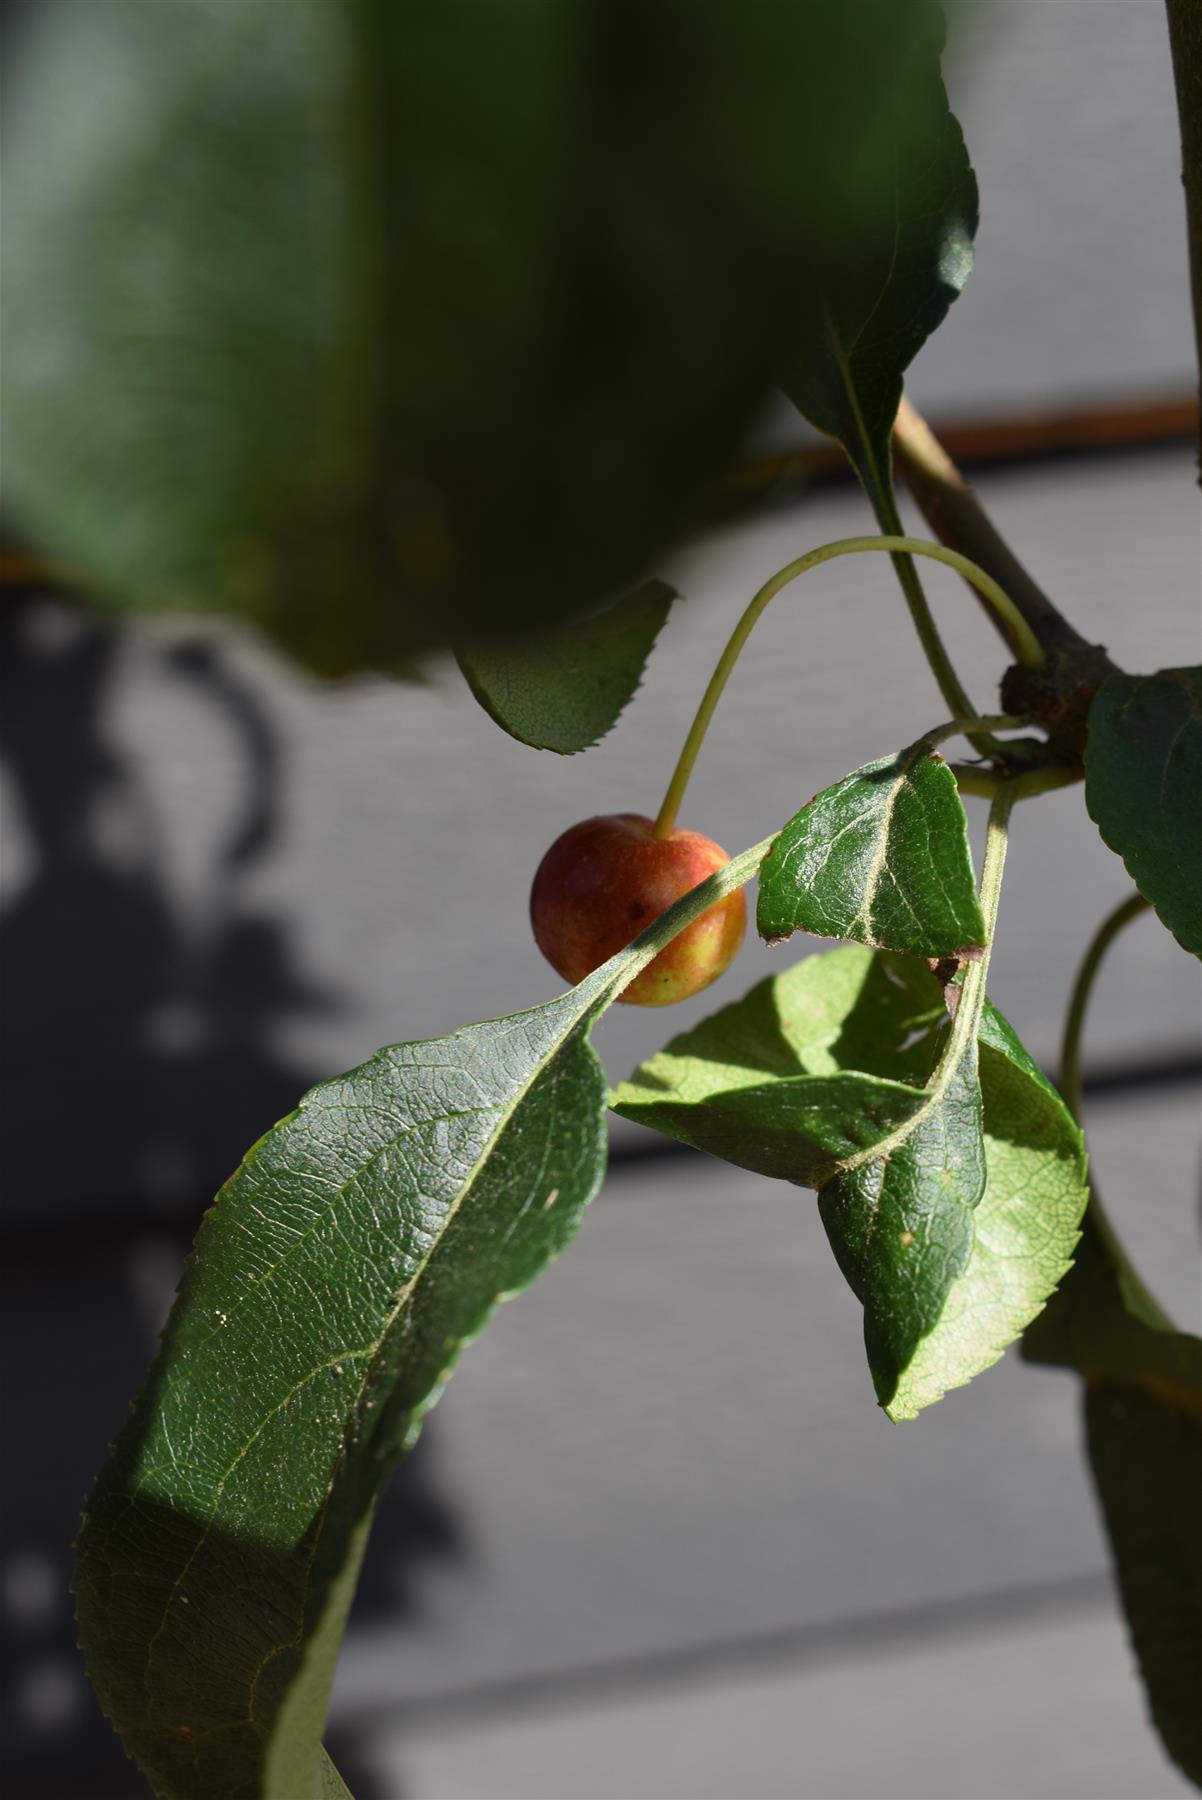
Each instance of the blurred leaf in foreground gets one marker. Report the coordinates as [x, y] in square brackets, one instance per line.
[564, 690]
[386, 327]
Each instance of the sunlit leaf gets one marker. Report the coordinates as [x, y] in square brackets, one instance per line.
[363, 1242]
[881, 858]
[1025, 1227]
[953, 1213]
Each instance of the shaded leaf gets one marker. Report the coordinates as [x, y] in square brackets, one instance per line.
[1145, 1450]
[956, 1240]
[1143, 1416]
[318, 321]
[565, 690]
[360, 1245]
[881, 858]
[1143, 778]
[331, 1786]
[862, 321]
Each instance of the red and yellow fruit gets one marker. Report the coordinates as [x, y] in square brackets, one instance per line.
[607, 879]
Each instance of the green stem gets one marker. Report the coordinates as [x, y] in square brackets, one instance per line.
[965, 727]
[972, 994]
[938, 660]
[1026, 644]
[966, 1024]
[971, 778]
[1136, 1296]
[1091, 962]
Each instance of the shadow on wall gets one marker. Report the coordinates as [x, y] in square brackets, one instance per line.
[137, 1066]
[138, 1049]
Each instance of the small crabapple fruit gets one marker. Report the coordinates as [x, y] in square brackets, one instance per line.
[606, 879]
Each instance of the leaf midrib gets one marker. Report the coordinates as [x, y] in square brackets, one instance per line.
[960, 1043]
[373, 1350]
[880, 854]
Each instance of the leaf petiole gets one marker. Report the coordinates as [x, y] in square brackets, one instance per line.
[1026, 644]
[966, 1024]
[972, 778]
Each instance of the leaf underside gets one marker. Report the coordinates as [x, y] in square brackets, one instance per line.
[565, 690]
[882, 859]
[1143, 778]
[956, 1232]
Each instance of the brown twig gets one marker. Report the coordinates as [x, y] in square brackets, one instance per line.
[1058, 694]
[958, 519]
[1135, 423]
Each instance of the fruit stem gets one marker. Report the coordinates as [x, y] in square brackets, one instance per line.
[1026, 644]
[884, 504]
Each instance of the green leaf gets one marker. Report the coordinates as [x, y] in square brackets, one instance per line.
[862, 321]
[1143, 777]
[900, 1221]
[386, 327]
[1143, 1417]
[791, 1077]
[881, 858]
[363, 1242]
[331, 1786]
[1145, 1450]
[952, 1214]
[1025, 1226]
[565, 690]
